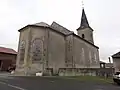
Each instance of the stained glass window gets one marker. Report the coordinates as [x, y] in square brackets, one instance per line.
[37, 49]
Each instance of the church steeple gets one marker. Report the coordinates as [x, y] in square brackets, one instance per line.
[85, 31]
[84, 21]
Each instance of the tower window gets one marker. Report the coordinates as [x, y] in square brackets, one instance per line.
[83, 36]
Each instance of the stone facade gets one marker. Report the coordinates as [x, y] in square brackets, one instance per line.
[44, 47]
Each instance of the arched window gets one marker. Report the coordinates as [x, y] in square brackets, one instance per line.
[90, 58]
[37, 49]
[22, 51]
[83, 36]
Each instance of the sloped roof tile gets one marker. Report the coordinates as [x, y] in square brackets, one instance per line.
[60, 28]
[7, 50]
[117, 55]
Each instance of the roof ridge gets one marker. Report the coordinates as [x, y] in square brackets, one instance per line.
[116, 54]
[61, 26]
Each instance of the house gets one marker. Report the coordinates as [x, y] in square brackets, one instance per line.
[116, 61]
[106, 69]
[106, 65]
[7, 58]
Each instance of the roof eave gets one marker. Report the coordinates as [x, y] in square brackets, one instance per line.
[115, 57]
[40, 26]
[31, 25]
[80, 28]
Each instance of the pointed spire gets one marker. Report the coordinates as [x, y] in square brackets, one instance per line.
[84, 21]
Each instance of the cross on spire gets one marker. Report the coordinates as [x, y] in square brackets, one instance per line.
[82, 4]
[84, 22]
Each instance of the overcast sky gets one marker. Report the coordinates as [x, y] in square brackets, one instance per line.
[103, 17]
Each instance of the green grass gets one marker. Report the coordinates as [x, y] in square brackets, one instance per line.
[91, 79]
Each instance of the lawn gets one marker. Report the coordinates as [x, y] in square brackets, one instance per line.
[91, 79]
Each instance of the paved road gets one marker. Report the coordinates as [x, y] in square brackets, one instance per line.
[51, 83]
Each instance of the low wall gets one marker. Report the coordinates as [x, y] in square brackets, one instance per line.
[82, 71]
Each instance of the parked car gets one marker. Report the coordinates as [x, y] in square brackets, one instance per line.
[116, 78]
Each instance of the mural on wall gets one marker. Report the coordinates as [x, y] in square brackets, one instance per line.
[37, 50]
[22, 51]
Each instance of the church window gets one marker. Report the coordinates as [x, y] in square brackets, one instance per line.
[22, 50]
[83, 36]
[22, 54]
[90, 57]
[37, 49]
[69, 45]
[83, 54]
[95, 57]
[83, 51]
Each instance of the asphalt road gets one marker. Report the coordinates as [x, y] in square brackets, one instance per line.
[51, 83]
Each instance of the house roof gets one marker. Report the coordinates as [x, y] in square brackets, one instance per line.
[117, 55]
[7, 50]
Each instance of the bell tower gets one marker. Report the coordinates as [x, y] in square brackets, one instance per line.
[85, 31]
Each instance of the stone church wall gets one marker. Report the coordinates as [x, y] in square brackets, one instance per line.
[94, 57]
[85, 55]
[69, 63]
[78, 72]
[56, 50]
[36, 59]
[34, 39]
[22, 50]
[79, 53]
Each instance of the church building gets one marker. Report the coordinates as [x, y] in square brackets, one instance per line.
[53, 47]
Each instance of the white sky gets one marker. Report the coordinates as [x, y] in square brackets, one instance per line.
[103, 16]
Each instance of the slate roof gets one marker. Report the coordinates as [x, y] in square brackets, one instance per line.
[84, 22]
[60, 28]
[117, 55]
[43, 24]
[7, 50]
